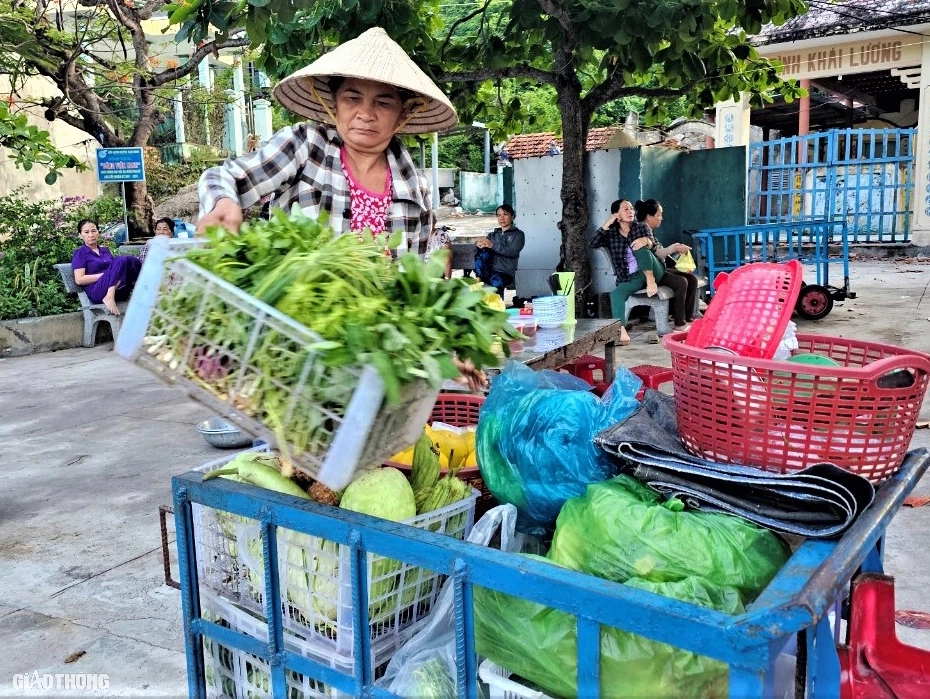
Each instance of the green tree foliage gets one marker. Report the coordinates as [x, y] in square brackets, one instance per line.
[99, 57]
[689, 53]
[30, 146]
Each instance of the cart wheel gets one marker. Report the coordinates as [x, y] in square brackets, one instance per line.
[814, 302]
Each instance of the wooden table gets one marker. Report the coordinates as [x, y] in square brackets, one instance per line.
[550, 349]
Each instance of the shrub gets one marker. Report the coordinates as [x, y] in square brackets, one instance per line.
[33, 237]
[163, 181]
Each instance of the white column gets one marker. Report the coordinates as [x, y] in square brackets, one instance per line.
[261, 113]
[239, 91]
[205, 77]
[732, 127]
[435, 197]
[179, 117]
[920, 222]
[234, 140]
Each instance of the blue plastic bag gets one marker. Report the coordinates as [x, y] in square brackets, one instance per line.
[535, 439]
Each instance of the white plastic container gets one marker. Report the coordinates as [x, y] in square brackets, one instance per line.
[550, 311]
[229, 672]
[500, 686]
[258, 368]
[315, 575]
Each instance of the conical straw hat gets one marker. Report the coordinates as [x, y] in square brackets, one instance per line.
[371, 56]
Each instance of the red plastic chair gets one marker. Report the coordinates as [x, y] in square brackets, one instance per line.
[875, 664]
[651, 375]
[584, 368]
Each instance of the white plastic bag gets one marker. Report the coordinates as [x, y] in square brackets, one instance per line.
[425, 665]
[788, 343]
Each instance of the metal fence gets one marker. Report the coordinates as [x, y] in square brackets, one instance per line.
[862, 176]
[796, 600]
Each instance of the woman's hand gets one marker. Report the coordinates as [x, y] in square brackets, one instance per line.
[226, 213]
[640, 243]
[679, 248]
[610, 221]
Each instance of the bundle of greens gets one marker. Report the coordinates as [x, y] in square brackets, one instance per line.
[399, 316]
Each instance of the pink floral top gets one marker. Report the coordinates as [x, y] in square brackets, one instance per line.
[369, 209]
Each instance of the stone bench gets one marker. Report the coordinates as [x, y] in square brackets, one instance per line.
[94, 313]
[658, 305]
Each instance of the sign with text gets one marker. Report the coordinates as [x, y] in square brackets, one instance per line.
[120, 165]
[836, 58]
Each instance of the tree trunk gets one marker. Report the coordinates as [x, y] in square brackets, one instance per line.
[574, 223]
[138, 202]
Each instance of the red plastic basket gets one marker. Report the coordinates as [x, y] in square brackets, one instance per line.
[459, 410]
[782, 416]
[750, 309]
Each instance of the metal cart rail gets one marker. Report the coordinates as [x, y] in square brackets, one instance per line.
[796, 601]
[810, 241]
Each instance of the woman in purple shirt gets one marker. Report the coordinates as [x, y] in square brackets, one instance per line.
[105, 278]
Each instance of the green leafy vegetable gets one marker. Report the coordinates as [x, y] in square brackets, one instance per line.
[398, 315]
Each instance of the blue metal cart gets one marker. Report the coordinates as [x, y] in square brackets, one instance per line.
[797, 601]
[810, 241]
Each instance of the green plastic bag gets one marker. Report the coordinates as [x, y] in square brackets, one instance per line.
[622, 529]
[540, 644]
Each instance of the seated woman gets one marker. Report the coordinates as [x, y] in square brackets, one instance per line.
[106, 278]
[629, 246]
[650, 213]
[498, 254]
[163, 226]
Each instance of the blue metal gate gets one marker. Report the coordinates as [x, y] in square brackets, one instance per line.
[862, 176]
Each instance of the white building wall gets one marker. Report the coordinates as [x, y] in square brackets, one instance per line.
[67, 138]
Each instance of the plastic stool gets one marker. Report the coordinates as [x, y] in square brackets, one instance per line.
[584, 368]
[875, 664]
[651, 375]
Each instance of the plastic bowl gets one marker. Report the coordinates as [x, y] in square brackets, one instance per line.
[222, 434]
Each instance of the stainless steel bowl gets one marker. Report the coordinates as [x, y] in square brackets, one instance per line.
[222, 434]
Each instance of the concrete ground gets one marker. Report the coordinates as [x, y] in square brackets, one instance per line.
[89, 442]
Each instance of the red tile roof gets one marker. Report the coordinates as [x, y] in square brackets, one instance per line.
[534, 145]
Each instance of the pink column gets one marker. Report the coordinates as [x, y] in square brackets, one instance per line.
[804, 118]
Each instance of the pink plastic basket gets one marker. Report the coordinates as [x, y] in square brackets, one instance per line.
[783, 416]
[750, 309]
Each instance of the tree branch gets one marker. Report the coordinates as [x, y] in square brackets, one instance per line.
[554, 10]
[147, 10]
[490, 73]
[604, 92]
[609, 91]
[455, 25]
[167, 76]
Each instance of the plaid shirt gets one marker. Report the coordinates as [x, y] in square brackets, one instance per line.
[617, 245]
[301, 165]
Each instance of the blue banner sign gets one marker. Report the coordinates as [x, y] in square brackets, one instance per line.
[120, 165]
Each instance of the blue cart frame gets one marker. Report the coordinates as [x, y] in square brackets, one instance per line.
[725, 249]
[797, 600]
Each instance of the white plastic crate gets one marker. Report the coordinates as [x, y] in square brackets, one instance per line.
[500, 686]
[259, 368]
[229, 672]
[315, 575]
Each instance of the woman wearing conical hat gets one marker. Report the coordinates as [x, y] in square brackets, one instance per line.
[348, 164]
